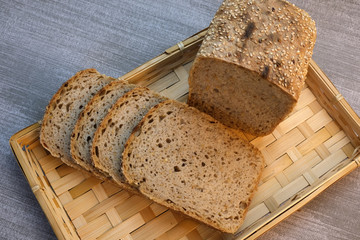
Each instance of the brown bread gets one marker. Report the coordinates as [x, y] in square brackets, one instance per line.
[252, 64]
[64, 109]
[188, 161]
[115, 129]
[89, 120]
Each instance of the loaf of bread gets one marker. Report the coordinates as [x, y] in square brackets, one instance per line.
[64, 109]
[252, 64]
[89, 120]
[188, 161]
[115, 129]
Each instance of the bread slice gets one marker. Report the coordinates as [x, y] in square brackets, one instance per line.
[63, 111]
[115, 129]
[188, 161]
[252, 64]
[89, 120]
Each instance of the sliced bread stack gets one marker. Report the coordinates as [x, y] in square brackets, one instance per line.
[170, 152]
[115, 129]
[64, 109]
[89, 120]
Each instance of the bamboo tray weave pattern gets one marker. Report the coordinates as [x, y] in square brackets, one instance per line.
[311, 149]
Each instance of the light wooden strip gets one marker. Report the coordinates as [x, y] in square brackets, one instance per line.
[148, 214]
[95, 228]
[79, 221]
[131, 206]
[306, 97]
[38, 151]
[310, 177]
[49, 163]
[193, 235]
[322, 151]
[300, 166]
[289, 190]
[334, 139]
[254, 214]
[99, 192]
[164, 82]
[276, 167]
[123, 228]
[127, 237]
[179, 88]
[80, 205]
[267, 157]
[282, 179]
[156, 227]
[262, 142]
[64, 170]
[315, 106]
[294, 120]
[105, 205]
[84, 186]
[110, 188]
[305, 129]
[319, 120]
[291, 139]
[348, 150]
[180, 230]
[332, 128]
[339, 145]
[328, 163]
[312, 142]
[113, 216]
[65, 198]
[294, 154]
[264, 191]
[276, 134]
[157, 209]
[52, 176]
[69, 181]
[205, 232]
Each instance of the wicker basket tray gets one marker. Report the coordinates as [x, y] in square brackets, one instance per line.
[311, 149]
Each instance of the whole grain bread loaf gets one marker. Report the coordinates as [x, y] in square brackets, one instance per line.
[89, 120]
[252, 64]
[188, 161]
[63, 111]
[115, 129]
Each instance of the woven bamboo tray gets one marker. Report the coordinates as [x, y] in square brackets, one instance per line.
[311, 149]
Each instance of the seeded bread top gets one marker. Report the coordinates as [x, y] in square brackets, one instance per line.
[271, 37]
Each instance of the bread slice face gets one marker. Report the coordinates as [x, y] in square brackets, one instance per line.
[252, 64]
[89, 120]
[237, 97]
[115, 129]
[64, 109]
[188, 161]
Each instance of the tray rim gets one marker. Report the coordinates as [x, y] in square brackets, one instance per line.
[175, 51]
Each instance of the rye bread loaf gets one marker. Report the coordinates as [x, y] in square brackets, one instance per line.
[188, 161]
[252, 64]
[63, 111]
[116, 127]
[89, 120]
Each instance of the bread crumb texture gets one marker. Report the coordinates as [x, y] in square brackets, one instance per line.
[188, 161]
[91, 117]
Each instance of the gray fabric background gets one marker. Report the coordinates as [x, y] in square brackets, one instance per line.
[43, 43]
